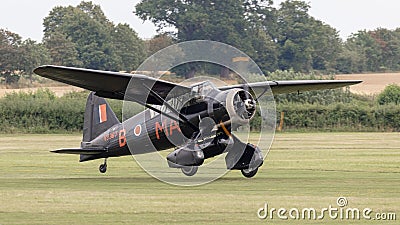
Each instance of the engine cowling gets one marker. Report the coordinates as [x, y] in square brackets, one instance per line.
[241, 106]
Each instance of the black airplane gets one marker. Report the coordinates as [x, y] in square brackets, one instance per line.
[165, 125]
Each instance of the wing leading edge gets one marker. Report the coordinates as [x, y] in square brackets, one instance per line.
[282, 87]
[113, 85]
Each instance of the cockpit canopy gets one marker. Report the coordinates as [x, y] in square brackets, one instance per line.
[203, 88]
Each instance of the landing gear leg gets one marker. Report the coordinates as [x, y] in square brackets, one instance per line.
[103, 167]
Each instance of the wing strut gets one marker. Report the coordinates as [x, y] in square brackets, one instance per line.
[161, 100]
[153, 108]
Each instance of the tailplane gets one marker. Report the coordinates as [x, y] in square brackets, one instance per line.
[80, 151]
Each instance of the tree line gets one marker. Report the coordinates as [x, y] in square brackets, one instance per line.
[331, 110]
[277, 38]
[80, 36]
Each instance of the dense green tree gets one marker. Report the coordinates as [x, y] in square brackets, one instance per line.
[62, 50]
[57, 19]
[265, 51]
[81, 25]
[129, 48]
[97, 42]
[362, 53]
[350, 59]
[18, 57]
[389, 43]
[293, 29]
[326, 46]
[10, 59]
[158, 42]
[233, 22]
[305, 43]
[371, 51]
[95, 13]
[33, 55]
[390, 95]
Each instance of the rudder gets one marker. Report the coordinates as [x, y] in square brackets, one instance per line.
[99, 117]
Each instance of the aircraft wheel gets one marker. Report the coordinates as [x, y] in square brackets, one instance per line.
[189, 170]
[103, 168]
[249, 173]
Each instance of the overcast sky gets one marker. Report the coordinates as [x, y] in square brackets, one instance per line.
[25, 17]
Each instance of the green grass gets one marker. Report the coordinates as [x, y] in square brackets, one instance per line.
[302, 170]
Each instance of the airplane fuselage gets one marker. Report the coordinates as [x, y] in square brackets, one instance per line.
[150, 131]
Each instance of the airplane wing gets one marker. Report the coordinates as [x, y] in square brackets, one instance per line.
[112, 84]
[281, 87]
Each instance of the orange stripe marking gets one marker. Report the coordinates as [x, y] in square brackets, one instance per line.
[103, 113]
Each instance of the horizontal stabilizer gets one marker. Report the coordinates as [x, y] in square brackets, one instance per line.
[79, 151]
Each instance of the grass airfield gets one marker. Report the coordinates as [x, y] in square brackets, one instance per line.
[302, 170]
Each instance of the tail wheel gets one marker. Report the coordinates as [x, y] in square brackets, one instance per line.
[103, 167]
[189, 170]
[249, 173]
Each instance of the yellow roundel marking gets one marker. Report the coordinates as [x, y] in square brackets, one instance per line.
[138, 130]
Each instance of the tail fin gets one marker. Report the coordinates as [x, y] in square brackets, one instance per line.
[99, 117]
